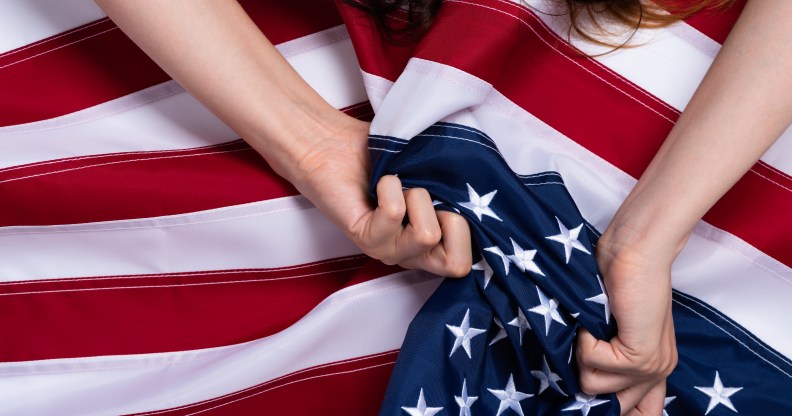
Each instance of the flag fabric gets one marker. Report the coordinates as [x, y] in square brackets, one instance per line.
[152, 263]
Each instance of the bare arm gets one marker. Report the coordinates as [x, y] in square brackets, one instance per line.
[739, 110]
[214, 50]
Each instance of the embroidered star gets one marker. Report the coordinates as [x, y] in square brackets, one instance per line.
[501, 332]
[569, 238]
[509, 397]
[483, 266]
[420, 409]
[521, 323]
[465, 401]
[602, 299]
[497, 251]
[524, 259]
[547, 308]
[584, 403]
[464, 333]
[666, 402]
[719, 394]
[480, 204]
[547, 378]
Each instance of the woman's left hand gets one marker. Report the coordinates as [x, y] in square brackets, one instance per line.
[636, 362]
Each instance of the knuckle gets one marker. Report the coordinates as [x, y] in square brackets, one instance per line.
[428, 236]
[393, 210]
[651, 366]
[458, 266]
[587, 383]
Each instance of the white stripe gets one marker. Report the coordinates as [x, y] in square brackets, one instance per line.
[242, 236]
[363, 319]
[717, 267]
[669, 63]
[23, 22]
[167, 118]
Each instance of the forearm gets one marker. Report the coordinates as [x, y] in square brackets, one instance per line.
[214, 50]
[741, 107]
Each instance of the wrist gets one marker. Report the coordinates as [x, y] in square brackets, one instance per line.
[287, 138]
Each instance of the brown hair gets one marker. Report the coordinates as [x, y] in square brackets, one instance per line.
[626, 13]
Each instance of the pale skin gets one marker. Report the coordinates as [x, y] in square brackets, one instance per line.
[216, 52]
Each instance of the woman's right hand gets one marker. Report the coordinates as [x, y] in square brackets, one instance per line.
[333, 171]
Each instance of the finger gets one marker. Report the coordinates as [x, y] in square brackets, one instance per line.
[652, 403]
[596, 353]
[610, 355]
[455, 247]
[386, 221]
[423, 231]
[452, 256]
[595, 381]
[631, 396]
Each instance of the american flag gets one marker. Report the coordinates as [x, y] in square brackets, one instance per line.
[152, 263]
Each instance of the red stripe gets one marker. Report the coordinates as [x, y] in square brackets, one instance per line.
[351, 387]
[96, 63]
[141, 184]
[585, 101]
[168, 312]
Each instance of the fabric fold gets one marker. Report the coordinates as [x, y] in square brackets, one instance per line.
[502, 337]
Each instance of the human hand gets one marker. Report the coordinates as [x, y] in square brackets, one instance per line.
[636, 362]
[333, 172]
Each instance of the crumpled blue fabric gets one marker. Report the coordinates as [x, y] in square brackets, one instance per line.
[501, 340]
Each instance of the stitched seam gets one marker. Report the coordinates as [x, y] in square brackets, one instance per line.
[229, 282]
[543, 183]
[594, 61]
[52, 38]
[771, 167]
[734, 338]
[744, 332]
[567, 57]
[99, 156]
[117, 162]
[255, 214]
[477, 132]
[463, 139]
[770, 180]
[774, 169]
[275, 380]
[294, 382]
[537, 175]
[389, 140]
[384, 150]
[121, 109]
[185, 274]
[59, 47]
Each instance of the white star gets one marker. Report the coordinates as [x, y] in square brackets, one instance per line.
[602, 299]
[509, 397]
[464, 333]
[497, 251]
[584, 403]
[521, 323]
[480, 204]
[501, 332]
[465, 401]
[524, 259]
[547, 378]
[547, 308]
[569, 238]
[666, 402]
[483, 266]
[719, 394]
[420, 409]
